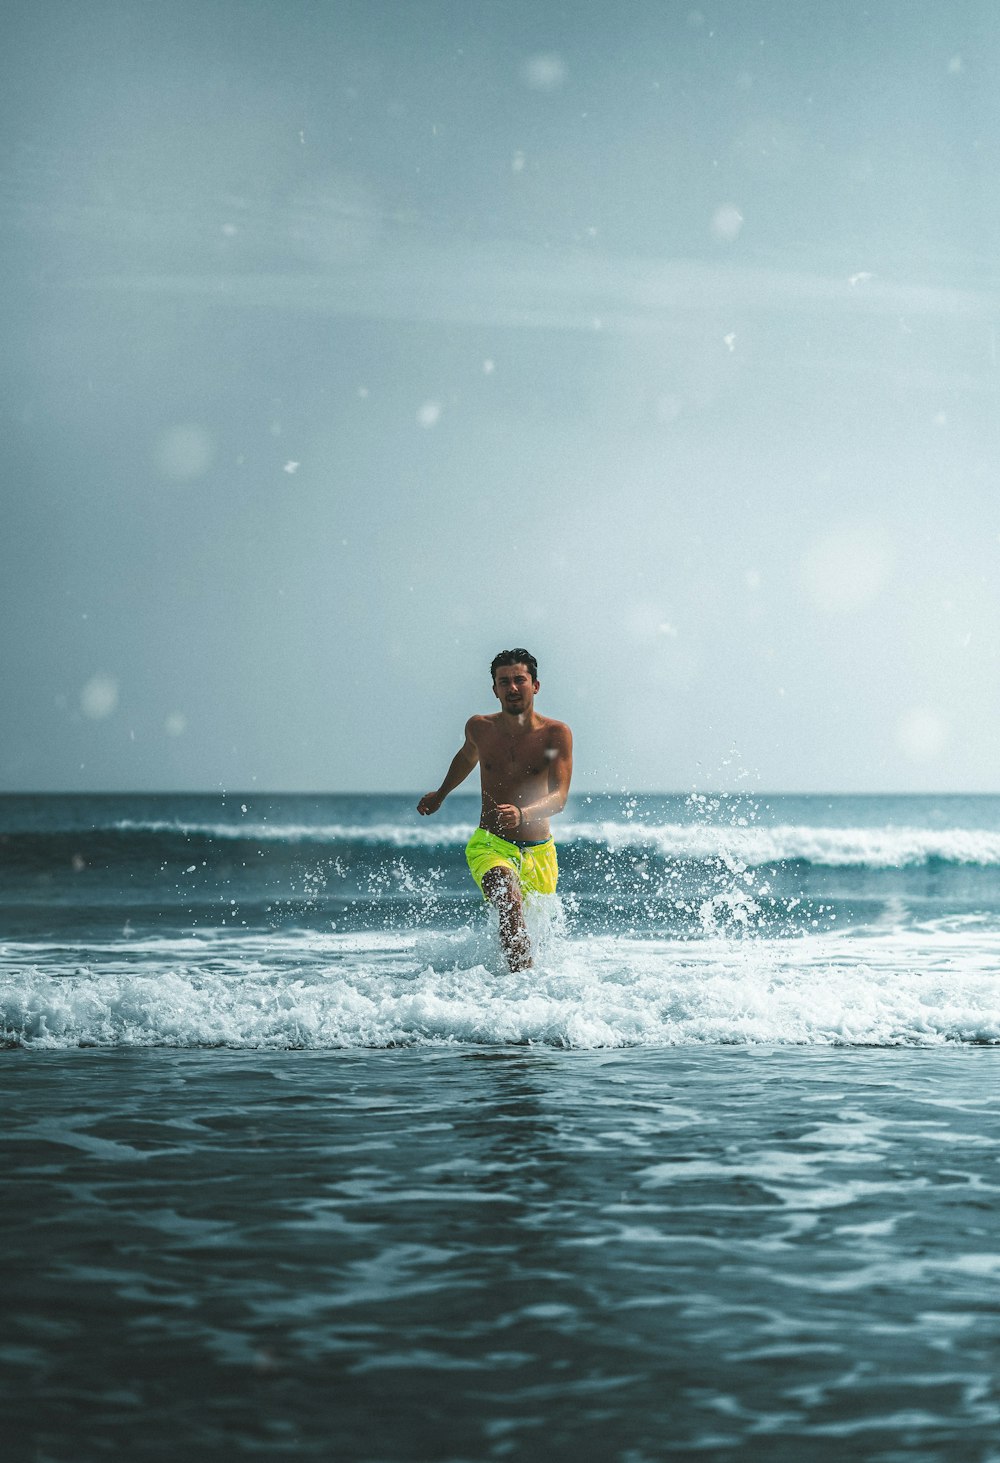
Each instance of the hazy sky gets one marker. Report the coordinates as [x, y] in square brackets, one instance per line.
[348, 343]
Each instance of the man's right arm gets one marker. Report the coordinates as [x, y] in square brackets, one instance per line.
[464, 760]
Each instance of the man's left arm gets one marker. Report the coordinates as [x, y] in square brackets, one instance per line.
[559, 753]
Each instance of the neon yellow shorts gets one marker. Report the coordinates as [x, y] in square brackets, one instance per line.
[535, 864]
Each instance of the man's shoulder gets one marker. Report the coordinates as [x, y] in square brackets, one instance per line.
[480, 722]
[556, 728]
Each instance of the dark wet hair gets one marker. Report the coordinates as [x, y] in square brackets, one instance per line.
[515, 657]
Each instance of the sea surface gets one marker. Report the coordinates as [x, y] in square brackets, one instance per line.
[295, 1168]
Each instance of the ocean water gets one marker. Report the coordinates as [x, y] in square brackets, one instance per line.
[295, 1168]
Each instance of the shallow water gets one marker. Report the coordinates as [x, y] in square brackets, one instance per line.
[348, 921]
[295, 1168]
[485, 1253]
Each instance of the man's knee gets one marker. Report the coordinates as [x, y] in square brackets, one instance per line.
[500, 885]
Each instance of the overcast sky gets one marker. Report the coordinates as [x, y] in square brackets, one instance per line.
[348, 343]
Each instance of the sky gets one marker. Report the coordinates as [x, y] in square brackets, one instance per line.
[348, 342]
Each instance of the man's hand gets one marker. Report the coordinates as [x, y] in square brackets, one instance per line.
[461, 765]
[509, 817]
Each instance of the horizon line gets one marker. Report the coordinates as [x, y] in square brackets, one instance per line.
[583, 792]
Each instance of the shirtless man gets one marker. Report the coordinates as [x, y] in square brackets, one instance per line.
[526, 762]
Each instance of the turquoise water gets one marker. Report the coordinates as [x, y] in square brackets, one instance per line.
[295, 1169]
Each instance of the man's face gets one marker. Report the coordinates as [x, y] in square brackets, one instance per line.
[514, 688]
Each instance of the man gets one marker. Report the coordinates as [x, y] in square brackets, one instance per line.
[526, 762]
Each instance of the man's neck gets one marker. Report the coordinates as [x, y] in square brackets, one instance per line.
[518, 721]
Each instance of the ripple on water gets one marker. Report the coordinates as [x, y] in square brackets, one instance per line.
[575, 1252]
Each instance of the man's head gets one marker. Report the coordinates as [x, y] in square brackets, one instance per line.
[514, 657]
[515, 680]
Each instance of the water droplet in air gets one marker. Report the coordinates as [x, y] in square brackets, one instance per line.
[99, 697]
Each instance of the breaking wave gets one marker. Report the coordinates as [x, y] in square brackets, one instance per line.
[913, 988]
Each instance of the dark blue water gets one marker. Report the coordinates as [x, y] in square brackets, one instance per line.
[472, 1253]
[295, 1168]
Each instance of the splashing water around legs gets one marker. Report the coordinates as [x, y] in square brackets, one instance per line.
[502, 890]
[331, 923]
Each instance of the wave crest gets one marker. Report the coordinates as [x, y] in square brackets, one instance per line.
[753, 846]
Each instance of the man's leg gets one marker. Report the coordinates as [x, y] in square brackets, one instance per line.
[502, 889]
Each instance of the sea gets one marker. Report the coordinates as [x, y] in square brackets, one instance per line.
[294, 1167]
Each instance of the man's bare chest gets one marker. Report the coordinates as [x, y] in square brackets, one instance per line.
[517, 757]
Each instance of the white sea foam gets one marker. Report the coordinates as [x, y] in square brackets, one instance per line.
[914, 987]
[759, 844]
[392, 835]
[753, 845]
